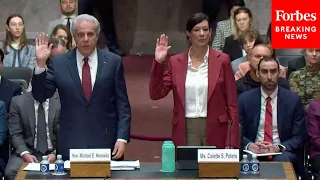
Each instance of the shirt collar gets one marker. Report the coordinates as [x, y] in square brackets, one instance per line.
[206, 56]
[47, 100]
[91, 57]
[272, 96]
[71, 17]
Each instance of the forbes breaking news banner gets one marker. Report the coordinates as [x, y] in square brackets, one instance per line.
[295, 24]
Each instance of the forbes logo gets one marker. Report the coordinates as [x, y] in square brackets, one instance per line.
[281, 15]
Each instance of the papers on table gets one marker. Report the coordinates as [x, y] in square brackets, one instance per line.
[115, 165]
[264, 154]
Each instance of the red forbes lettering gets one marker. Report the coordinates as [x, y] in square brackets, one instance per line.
[296, 16]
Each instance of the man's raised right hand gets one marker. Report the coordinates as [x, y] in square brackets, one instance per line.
[43, 50]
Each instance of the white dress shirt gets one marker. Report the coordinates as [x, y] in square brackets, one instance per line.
[93, 64]
[65, 19]
[197, 89]
[45, 106]
[274, 105]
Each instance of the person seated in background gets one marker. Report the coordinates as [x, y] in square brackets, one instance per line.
[58, 47]
[18, 53]
[250, 80]
[247, 40]
[273, 117]
[313, 126]
[224, 29]
[68, 10]
[3, 133]
[33, 131]
[306, 81]
[242, 21]
[62, 32]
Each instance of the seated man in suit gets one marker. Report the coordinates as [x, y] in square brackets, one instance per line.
[3, 132]
[251, 80]
[273, 117]
[33, 131]
[68, 10]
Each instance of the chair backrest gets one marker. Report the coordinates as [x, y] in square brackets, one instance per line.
[17, 73]
[22, 83]
[286, 55]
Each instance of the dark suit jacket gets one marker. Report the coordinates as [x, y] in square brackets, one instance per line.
[222, 97]
[296, 64]
[94, 124]
[8, 90]
[3, 122]
[314, 127]
[22, 122]
[291, 117]
[232, 48]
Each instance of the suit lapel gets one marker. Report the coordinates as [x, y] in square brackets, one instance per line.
[256, 108]
[52, 113]
[182, 68]
[214, 67]
[32, 116]
[73, 68]
[280, 110]
[101, 70]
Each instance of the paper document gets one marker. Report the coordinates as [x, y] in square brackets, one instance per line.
[125, 165]
[115, 165]
[264, 154]
[36, 166]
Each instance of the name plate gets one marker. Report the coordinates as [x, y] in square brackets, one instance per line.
[90, 155]
[218, 155]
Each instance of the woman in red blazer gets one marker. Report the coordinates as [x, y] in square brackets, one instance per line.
[205, 101]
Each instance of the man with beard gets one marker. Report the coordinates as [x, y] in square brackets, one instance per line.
[251, 80]
[273, 117]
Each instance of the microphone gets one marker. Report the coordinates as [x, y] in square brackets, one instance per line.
[229, 132]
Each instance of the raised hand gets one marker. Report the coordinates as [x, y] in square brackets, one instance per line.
[43, 49]
[162, 48]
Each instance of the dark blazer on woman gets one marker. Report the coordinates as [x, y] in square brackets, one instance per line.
[314, 127]
[232, 48]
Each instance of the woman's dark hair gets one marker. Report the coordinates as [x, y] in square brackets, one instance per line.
[235, 3]
[1, 56]
[67, 30]
[8, 40]
[196, 19]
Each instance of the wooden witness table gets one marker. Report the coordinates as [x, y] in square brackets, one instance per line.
[287, 167]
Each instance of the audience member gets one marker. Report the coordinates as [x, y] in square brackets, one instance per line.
[33, 131]
[306, 81]
[273, 117]
[242, 21]
[202, 106]
[245, 67]
[250, 80]
[68, 10]
[74, 74]
[247, 40]
[62, 32]
[105, 10]
[18, 53]
[314, 134]
[3, 134]
[224, 29]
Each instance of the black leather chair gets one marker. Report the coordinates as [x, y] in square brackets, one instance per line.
[17, 73]
[286, 55]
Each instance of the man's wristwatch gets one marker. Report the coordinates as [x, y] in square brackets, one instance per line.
[281, 148]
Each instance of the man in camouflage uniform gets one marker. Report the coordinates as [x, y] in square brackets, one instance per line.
[306, 81]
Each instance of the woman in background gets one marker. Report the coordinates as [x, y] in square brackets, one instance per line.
[242, 20]
[62, 32]
[205, 109]
[18, 53]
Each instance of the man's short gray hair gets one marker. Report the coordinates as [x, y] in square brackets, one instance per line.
[85, 17]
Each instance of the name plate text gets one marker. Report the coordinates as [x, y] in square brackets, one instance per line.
[90, 155]
[218, 155]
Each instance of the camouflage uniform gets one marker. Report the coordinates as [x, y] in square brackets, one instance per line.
[306, 82]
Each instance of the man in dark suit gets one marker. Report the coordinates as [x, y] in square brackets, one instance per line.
[273, 117]
[3, 132]
[105, 10]
[296, 64]
[31, 125]
[8, 90]
[95, 107]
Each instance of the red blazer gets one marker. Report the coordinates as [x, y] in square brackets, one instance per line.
[222, 97]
